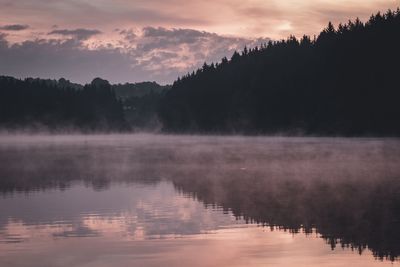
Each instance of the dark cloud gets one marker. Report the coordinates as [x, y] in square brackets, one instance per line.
[273, 18]
[79, 34]
[163, 32]
[69, 59]
[3, 37]
[157, 54]
[14, 27]
[128, 35]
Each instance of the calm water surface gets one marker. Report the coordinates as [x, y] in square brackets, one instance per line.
[151, 200]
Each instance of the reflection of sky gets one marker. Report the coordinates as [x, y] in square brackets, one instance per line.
[131, 212]
[146, 225]
[115, 210]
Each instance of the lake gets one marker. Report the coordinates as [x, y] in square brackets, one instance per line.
[164, 200]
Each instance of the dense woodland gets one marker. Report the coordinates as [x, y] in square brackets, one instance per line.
[59, 105]
[344, 81]
[141, 102]
[128, 90]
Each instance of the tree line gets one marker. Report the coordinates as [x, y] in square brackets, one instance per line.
[344, 81]
[141, 102]
[59, 105]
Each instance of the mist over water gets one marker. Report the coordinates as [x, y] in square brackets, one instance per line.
[151, 200]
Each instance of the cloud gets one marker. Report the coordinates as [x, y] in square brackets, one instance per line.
[14, 27]
[251, 18]
[155, 54]
[125, 40]
[129, 34]
[80, 34]
[182, 50]
[64, 58]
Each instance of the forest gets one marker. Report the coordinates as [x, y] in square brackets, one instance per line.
[35, 104]
[345, 81]
[38, 104]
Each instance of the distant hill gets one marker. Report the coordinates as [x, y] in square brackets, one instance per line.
[128, 90]
[345, 81]
[141, 101]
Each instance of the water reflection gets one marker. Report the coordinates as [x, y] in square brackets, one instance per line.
[132, 212]
[124, 189]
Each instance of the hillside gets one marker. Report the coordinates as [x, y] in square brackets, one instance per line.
[345, 81]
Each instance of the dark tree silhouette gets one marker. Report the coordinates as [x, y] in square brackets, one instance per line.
[59, 104]
[140, 101]
[343, 81]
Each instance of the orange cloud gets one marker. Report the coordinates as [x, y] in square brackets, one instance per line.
[155, 39]
[252, 18]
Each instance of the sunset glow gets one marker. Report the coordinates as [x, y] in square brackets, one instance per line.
[154, 39]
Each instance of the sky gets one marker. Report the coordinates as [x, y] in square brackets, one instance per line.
[152, 40]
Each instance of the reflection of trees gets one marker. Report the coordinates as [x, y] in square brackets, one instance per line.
[59, 167]
[346, 213]
[351, 203]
